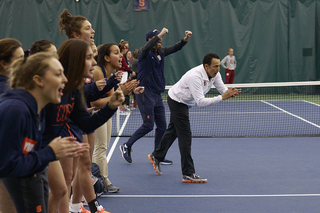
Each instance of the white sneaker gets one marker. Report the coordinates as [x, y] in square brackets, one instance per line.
[100, 209]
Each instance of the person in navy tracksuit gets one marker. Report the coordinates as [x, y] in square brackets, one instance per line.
[10, 50]
[151, 76]
[36, 81]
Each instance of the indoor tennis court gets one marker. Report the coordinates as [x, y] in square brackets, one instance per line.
[258, 150]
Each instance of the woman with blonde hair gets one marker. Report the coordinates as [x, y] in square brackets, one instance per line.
[36, 81]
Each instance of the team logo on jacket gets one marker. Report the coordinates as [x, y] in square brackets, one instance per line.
[64, 110]
[28, 145]
[204, 83]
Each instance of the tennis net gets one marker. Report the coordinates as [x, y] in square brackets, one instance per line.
[260, 110]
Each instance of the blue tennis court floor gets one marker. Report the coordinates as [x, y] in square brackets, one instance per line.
[244, 175]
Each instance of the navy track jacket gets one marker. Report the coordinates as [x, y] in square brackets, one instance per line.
[151, 64]
[4, 83]
[72, 106]
[21, 136]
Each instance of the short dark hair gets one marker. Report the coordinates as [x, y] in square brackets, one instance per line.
[40, 46]
[208, 58]
[103, 50]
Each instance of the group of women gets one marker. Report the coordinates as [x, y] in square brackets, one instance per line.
[44, 115]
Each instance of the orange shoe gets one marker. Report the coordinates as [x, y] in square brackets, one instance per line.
[83, 210]
[155, 163]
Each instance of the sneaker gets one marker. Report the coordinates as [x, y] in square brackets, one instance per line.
[156, 164]
[124, 112]
[126, 152]
[84, 201]
[100, 209]
[83, 210]
[112, 188]
[166, 162]
[194, 178]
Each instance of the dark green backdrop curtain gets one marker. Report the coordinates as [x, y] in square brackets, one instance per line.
[268, 36]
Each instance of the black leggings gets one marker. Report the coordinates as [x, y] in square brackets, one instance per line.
[29, 194]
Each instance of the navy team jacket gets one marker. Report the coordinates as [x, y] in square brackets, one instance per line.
[21, 136]
[4, 83]
[72, 106]
[151, 64]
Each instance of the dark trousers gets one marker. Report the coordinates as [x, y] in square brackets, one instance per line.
[152, 111]
[229, 76]
[29, 194]
[179, 126]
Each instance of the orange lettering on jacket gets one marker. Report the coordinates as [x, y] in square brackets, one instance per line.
[64, 112]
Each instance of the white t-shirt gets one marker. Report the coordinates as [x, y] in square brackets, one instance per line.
[193, 86]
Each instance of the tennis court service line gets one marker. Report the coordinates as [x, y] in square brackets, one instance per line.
[211, 196]
[311, 103]
[117, 138]
[291, 114]
[228, 113]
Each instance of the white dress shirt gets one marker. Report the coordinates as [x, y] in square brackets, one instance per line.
[194, 85]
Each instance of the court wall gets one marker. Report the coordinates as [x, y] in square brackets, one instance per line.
[273, 41]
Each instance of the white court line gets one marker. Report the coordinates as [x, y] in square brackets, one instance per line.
[291, 114]
[311, 103]
[209, 196]
[117, 138]
[218, 113]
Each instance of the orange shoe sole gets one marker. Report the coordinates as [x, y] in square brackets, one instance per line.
[191, 181]
[150, 159]
[154, 166]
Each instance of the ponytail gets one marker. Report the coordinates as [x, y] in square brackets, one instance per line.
[23, 70]
[70, 24]
[17, 72]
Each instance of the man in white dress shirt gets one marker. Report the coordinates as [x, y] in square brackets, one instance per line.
[187, 92]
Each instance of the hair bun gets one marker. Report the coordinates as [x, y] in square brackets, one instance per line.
[66, 17]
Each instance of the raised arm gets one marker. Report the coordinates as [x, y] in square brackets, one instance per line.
[178, 46]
